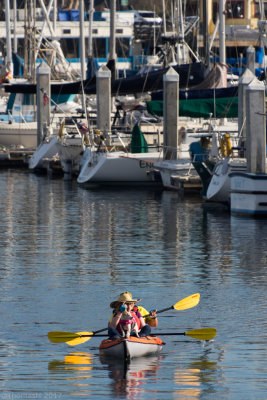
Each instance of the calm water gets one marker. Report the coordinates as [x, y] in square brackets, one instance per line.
[67, 252]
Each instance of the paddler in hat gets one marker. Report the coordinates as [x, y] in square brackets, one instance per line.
[126, 303]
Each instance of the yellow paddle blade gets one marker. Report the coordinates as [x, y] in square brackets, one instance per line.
[187, 302]
[64, 337]
[202, 334]
[79, 340]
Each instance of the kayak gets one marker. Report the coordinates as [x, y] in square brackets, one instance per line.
[131, 347]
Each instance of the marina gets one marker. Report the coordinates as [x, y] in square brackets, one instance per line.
[133, 178]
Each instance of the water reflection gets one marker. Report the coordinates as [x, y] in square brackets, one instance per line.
[129, 379]
[74, 362]
[247, 240]
[76, 368]
[198, 379]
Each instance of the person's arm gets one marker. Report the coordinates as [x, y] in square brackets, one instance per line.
[142, 322]
[116, 319]
[152, 320]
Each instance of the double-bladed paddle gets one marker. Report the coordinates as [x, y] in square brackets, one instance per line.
[70, 338]
[77, 338]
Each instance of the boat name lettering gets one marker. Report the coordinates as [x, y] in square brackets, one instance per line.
[145, 164]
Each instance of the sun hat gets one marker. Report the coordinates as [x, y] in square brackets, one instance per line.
[125, 297]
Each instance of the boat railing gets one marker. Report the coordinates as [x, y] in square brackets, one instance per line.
[173, 153]
[18, 118]
[10, 116]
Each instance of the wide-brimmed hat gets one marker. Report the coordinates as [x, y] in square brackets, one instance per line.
[125, 297]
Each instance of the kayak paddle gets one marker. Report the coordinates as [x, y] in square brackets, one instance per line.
[81, 337]
[187, 302]
[73, 339]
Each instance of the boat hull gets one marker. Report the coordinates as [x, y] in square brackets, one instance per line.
[131, 347]
[178, 174]
[116, 168]
[18, 134]
[249, 194]
[219, 187]
[47, 149]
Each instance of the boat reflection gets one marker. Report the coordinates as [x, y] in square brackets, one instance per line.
[76, 369]
[190, 380]
[74, 362]
[129, 378]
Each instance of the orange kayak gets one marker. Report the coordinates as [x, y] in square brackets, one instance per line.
[131, 347]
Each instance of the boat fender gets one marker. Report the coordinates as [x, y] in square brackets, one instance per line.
[228, 144]
[225, 144]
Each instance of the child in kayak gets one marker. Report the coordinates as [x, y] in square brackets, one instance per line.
[124, 303]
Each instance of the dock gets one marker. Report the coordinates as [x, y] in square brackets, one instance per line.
[182, 183]
[19, 158]
[14, 158]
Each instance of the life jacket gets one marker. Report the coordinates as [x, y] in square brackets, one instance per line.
[133, 320]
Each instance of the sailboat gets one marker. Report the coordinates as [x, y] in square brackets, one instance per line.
[102, 166]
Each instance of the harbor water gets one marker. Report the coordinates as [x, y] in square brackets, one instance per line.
[67, 252]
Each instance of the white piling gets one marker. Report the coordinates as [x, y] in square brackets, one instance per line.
[43, 92]
[170, 111]
[103, 91]
[256, 127]
[244, 81]
[250, 54]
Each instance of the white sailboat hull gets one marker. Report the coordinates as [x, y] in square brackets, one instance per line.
[219, 187]
[70, 153]
[116, 167]
[47, 149]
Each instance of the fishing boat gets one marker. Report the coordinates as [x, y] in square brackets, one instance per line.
[127, 348]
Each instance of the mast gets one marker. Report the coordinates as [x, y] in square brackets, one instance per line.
[15, 46]
[90, 35]
[8, 38]
[90, 62]
[205, 33]
[82, 50]
[164, 17]
[222, 32]
[26, 41]
[112, 39]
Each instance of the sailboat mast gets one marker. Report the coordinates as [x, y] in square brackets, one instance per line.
[90, 35]
[112, 40]
[205, 33]
[8, 37]
[164, 17]
[26, 41]
[15, 39]
[222, 32]
[82, 48]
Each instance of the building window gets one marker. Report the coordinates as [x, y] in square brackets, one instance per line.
[122, 47]
[100, 47]
[258, 10]
[70, 47]
[235, 9]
